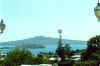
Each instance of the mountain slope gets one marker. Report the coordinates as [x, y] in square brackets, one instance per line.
[41, 40]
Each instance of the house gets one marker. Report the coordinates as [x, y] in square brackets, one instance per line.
[76, 57]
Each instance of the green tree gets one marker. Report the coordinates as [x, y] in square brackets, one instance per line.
[67, 50]
[67, 47]
[18, 57]
[93, 50]
[85, 63]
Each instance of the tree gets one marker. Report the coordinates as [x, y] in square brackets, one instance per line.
[67, 47]
[18, 57]
[93, 50]
[67, 50]
[60, 53]
[94, 43]
[60, 49]
[85, 63]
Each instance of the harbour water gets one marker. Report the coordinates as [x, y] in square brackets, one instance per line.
[50, 47]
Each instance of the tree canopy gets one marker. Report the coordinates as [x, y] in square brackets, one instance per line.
[18, 56]
[93, 50]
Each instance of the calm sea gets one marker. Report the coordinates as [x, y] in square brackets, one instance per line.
[51, 48]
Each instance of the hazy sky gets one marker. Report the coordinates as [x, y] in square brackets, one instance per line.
[29, 18]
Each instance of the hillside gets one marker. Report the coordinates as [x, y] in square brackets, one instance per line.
[41, 40]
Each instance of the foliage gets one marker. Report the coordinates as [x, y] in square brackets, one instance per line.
[67, 50]
[60, 52]
[45, 59]
[67, 47]
[94, 43]
[92, 52]
[18, 57]
[40, 59]
[85, 63]
[37, 60]
[66, 63]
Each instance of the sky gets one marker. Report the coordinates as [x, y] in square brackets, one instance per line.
[30, 18]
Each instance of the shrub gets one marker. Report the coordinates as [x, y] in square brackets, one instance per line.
[18, 57]
[85, 63]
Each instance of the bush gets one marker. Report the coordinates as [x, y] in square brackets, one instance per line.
[66, 63]
[93, 49]
[37, 60]
[45, 59]
[18, 57]
[85, 63]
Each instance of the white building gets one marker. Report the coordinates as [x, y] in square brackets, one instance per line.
[76, 57]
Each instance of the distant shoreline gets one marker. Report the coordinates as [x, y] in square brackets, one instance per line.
[22, 47]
